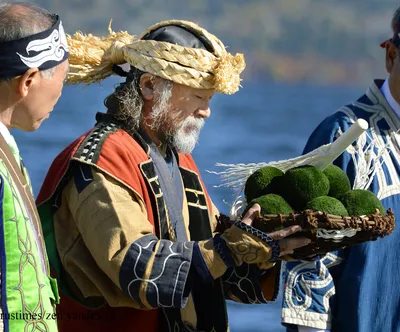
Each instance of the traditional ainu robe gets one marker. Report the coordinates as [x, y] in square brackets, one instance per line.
[128, 254]
[357, 289]
[28, 293]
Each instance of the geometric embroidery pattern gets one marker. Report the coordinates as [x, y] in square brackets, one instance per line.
[90, 149]
[276, 250]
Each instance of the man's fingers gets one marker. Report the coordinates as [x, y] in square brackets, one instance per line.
[293, 243]
[285, 232]
[251, 214]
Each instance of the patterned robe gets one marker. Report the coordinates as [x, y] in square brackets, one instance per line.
[356, 289]
[126, 254]
[28, 294]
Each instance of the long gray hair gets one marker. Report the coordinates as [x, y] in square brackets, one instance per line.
[126, 102]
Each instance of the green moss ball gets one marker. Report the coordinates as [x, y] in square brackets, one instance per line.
[271, 204]
[361, 202]
[339, 183]
[300, 185]
[328, 204]
[258, 183]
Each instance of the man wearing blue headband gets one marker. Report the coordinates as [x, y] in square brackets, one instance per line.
[357, 289]
[33, 66]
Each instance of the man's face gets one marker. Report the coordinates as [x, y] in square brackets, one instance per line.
[186, 111]
[41, 99]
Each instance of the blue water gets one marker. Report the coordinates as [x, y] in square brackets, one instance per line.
[263, 122]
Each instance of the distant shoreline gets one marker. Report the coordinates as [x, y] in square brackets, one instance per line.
[313, 69]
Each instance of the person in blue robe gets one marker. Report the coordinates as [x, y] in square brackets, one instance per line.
[357, 289]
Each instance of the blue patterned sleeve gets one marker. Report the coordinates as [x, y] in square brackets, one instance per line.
[155, 272]
[161, 273]
[309, 287]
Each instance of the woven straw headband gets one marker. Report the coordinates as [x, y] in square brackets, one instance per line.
[92, 58]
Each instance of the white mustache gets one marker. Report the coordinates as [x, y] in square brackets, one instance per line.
[196, 123]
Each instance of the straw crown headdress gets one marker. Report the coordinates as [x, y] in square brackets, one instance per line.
[92, 58]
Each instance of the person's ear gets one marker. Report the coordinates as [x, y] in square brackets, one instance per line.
[147, 86]
[27, 81]
[391, 54]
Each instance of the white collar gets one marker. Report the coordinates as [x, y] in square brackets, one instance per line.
[7, 135]
[389, 98]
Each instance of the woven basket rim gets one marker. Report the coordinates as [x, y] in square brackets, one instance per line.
[313, 219]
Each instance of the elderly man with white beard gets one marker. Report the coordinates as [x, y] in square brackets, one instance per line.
[129, 226]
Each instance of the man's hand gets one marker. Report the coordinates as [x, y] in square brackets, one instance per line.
[287, 245]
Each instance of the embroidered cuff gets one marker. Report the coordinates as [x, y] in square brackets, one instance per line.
[249, 245]
[223, 251]
[276, 250]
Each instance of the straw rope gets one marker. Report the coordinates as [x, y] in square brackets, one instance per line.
[92, 58]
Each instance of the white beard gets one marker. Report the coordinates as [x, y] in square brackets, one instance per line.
[184, 142]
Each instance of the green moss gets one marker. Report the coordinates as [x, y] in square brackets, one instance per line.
[301, 185]
[271, 204]
[339, 183]
[361, 202]
[259, 182]
[328, 204]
